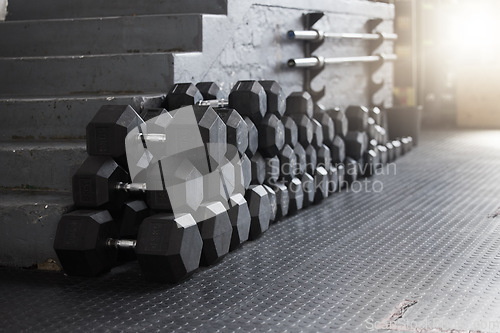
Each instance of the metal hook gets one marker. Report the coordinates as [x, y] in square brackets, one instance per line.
[308, 20]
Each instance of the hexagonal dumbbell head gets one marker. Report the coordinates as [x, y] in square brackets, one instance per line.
[351, 170]
[337, 149]
[273, 202]
[341, 176]
[312, 159]
[376, 114]
[370, 129]
[260, 210]
[381, 134]
[253, 137]
[185, 185]
[236, 128]
[169, 247]
[182, 94]
[404, 145]
[272, 169]
[371, 161]
[219, 184]
[249, 99]
[80, 242]
[358, 118]
[282, 199]
[150, 113]
[258, 164]
[305, 129]
[296, 195]
[288, 162]
[397, 148]
[276, 101]
[391, 154]
[356, 144]
[213, 131]
[174, 183]
[107, 130]
[239, 215]
[308, 188]
[133, 213]
[327, 125]
[321, 181]
[216, 231]
[383, 154]
[210, 91]
[291, 131]
[333, 179]
[301, 158]
[242, 173]
[299, 103]
[324, 156]
[339, 120]
[271, 135]
[94, 183]
[317, 140]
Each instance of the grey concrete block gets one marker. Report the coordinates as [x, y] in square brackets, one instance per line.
[60, 118]
[28, 223]
[129, 74]
[40, 165]
[111, 35]
[53, 9]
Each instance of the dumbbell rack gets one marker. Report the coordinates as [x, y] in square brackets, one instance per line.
[314, 65]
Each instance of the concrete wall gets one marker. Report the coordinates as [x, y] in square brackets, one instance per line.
[3, 9]
[250, 43]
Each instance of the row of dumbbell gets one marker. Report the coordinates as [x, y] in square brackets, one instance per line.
[268, 146]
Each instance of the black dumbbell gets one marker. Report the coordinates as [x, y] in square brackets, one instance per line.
[301, 159]
[101, 183]
[356, 144]
[326, 122]
[317, 140]
[273, 201]
[321, 184]
[339, 120]
[271, 135]
[288, 162]
[351, 170]
[333, 179]
[308, 187]
[341, 176]
[272, 169]
[276, 101]
[390, 152]
[296, 195]
[291, 131]
[167, 247]
[357, 118]
[216, 231]
[282, 199]
[258, 167]
[239, 215]
[260, 210]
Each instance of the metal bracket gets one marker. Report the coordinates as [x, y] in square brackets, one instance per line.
[308, 20]
[373, 86]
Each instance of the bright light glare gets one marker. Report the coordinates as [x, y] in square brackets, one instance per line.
[474, 26]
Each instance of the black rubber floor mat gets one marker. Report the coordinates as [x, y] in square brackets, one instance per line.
[417, 248]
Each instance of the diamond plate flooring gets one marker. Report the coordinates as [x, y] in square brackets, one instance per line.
[416, 248]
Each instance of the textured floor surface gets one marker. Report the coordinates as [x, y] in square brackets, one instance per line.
[416, 249]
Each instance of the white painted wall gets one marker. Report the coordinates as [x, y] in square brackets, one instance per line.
[3, 9]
